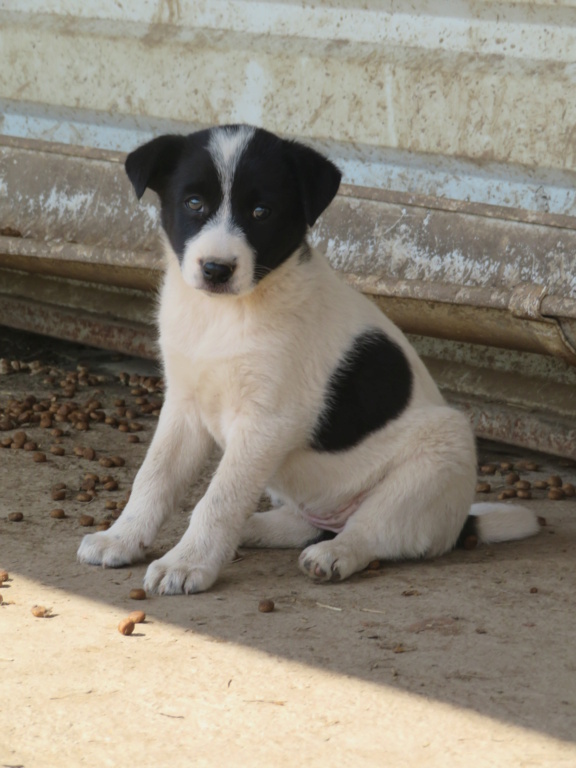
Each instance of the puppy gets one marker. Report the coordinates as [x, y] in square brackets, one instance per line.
[310, 391]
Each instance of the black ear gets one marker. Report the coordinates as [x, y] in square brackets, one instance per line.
[152, 164]
[318, 177]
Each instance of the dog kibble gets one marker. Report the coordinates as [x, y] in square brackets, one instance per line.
[111, 485]
[556, 494]
[106, 462]
[110, 505]
[522, 485]
[86, 520]
[133, 439]
[39, 457]
[266, 606]
[40, 611]
[483, 488]
[4, 576]
[57, 450]
[58, 494]
[89, 453]
[555, 481]
[83, 497]
[137, 594]
[524, 494]
[470, 542]
[30, 446]
[126, 627]
[512, 478]
[20, 438]
[541, 485]
[138, 617]
[506, 466]
[103, 526]
[507, 493]
[533, 590]
[488, 469]
[58, 514]
[118, 461]
[16, 517]
[568, 489]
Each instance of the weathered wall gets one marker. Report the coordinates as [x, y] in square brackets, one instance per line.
[454, 122]
[465, 99]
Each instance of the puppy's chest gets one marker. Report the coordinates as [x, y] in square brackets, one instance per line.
[222, 388]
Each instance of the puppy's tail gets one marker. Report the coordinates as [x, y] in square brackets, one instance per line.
[490, 522]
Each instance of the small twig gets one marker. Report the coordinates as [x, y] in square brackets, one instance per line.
[372, 610]
[330, 607]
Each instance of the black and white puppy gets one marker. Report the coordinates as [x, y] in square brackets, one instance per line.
[309, 390]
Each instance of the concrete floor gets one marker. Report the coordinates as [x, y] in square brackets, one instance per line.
[467, 660]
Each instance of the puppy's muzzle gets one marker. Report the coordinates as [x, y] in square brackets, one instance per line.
[216, 273]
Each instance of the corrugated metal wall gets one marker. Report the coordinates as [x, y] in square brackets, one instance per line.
[464, 99]
[454, 122]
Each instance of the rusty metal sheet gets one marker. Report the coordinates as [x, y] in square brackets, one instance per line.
[539, 432]
[432, 246]
[78, 325]
[50, 194]
[470, 99]
[517, 399]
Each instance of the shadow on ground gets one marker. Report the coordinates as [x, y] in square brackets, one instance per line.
[490, 630]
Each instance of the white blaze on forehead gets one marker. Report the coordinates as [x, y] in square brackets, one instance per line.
[226, 146]
[220, 239]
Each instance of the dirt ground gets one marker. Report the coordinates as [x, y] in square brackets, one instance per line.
[467, 660]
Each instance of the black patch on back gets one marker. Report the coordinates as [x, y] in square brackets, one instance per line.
[371, 386]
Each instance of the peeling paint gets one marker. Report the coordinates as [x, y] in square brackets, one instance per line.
[466, 100]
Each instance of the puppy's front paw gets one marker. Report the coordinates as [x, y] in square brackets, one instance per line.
[108, 549]
[176, 574]
[328, 561]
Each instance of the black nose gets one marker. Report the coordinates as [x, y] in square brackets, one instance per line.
[217, 273]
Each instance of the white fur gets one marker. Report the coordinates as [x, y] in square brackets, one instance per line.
[249, 372]
[503, 522]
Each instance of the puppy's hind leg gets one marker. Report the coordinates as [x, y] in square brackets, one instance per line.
[418, 510]
[281, 528]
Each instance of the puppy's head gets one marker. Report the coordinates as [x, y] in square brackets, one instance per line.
[236, 201]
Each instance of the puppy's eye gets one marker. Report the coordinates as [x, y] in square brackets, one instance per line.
[261, 212]
[195, 204]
